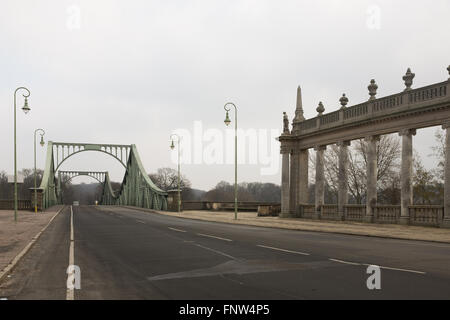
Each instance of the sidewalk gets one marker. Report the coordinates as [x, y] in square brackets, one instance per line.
[344, 227]
[15, 236]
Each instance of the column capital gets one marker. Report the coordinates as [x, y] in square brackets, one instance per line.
[285, 149]
[407, 132]
[343, 143]
[372, 138]
[446, 125]
[320, 148]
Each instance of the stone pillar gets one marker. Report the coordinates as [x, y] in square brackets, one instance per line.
[372, 171]
[320, 180]
[284, 182]
[406, 174]
[303, 192]
[343, 177]
[293, 183]
[446, 222]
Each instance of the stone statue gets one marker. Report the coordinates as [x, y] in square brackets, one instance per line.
[285, 123]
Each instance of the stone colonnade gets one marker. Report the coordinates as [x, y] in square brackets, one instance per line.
[294, 180]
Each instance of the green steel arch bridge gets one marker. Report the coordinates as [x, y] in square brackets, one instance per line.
[137, 189]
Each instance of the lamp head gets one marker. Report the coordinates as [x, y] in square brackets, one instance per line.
[172, 146]
[227, 120]
[25, 107]
[42, 143]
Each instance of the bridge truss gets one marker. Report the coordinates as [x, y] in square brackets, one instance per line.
[137, 189]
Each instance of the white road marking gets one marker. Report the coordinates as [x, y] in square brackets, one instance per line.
[141, 221]
[346, 262]
[176, 229]
[70, 292]
[284, 250]
[399, 269]
[210, 236]
[381, 267]
[216, 251]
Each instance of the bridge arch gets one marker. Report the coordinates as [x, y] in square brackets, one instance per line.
[118, 152]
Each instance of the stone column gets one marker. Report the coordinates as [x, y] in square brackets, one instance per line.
[303, 193]
[284, 182]
[320, 180]
[406, 174]
[293, 183]
[446, 222]
[372, 171]
[343, 177]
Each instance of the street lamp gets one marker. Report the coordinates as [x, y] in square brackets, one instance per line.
[25, 109]
[42, 143]
[172, 146]
[227, 123]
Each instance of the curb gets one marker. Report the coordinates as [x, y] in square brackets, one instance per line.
[7, 270]
[291, 229]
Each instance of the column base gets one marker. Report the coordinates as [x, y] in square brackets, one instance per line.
[369, 219]
[446, 223]
[403, 221]
[286, 215]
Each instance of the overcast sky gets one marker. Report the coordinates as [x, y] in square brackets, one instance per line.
[132, 72]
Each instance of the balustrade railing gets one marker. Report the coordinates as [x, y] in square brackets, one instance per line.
[354, 212]
[358, 112]
[426, 215]
[387, 213]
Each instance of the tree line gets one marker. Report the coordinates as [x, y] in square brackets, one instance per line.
[428, 184]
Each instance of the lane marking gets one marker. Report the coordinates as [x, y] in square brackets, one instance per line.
[381, 267]
[398, 269]
[216, 251]
[178, 230]
[70, 292]
[210, 236]
[345, 262]
[284, 250]
[141, 221]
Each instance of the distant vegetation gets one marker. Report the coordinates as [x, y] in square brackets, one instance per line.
[427, 183]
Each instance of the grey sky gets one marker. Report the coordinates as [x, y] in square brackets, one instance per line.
[136, 70]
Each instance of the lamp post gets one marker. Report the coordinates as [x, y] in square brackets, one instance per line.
[42, 143]
[172, 146]
[25, 109]
[227, 123]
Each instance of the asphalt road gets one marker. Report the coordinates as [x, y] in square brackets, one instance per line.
[130, 254]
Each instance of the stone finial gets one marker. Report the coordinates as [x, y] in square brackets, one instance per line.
[343, 100]
[285, 123]
[320, 109]
[408, 78]
[372, 89]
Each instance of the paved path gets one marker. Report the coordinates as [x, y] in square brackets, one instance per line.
[14, 236]
[129, 254]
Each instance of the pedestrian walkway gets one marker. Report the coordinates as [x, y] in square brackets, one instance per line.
[15, 236]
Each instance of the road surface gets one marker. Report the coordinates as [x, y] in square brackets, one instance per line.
[129, 254]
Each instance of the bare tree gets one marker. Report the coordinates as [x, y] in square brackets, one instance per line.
[388, 155]
[167, 179]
